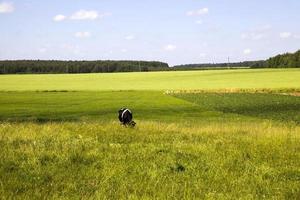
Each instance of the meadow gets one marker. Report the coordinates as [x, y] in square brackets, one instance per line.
[224, 134]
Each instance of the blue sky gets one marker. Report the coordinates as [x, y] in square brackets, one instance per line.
[173, 31]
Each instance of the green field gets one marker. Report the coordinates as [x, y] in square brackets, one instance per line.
[188, 80]
[60, 138]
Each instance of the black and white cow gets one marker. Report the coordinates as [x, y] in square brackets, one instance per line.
[125, 117]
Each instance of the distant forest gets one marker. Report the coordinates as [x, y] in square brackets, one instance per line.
[246, 64]
[288, 60]
[59, 67]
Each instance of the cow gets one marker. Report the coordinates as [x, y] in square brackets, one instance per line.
[125, 117]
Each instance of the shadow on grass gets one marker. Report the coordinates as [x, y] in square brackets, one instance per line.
[264, 106]
[37, 120]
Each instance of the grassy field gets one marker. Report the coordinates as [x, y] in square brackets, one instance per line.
[147, 105]
[60, 138]
[155, 160]
[188, 80]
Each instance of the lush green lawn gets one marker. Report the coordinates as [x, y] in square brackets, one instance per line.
[215, 79]
[70, 145]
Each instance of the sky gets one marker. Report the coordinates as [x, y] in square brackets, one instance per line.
[172, 31]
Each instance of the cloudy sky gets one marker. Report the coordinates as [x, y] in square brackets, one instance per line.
[174, 31]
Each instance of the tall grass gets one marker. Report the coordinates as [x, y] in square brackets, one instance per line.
[215, 160]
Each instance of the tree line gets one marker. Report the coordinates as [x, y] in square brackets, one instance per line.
[58, 67]
[247, 64]
[287, 60]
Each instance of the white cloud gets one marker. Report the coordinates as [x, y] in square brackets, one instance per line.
[257, 33]
[199, 22]
[170, 47]
[85, 34]
[75, 49]
[130, 37]
[285, 35]
[43, 50]
[106, 14]
[202, 11]
[6, 7]
[265, 27]
[253, 36]
[244, 36]
[124, 50]
[297, 36]
[204, 44]
[247, 51]
[82, 15]
[85, 15]
[59, 18]
[190, 13]
[202, 55]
